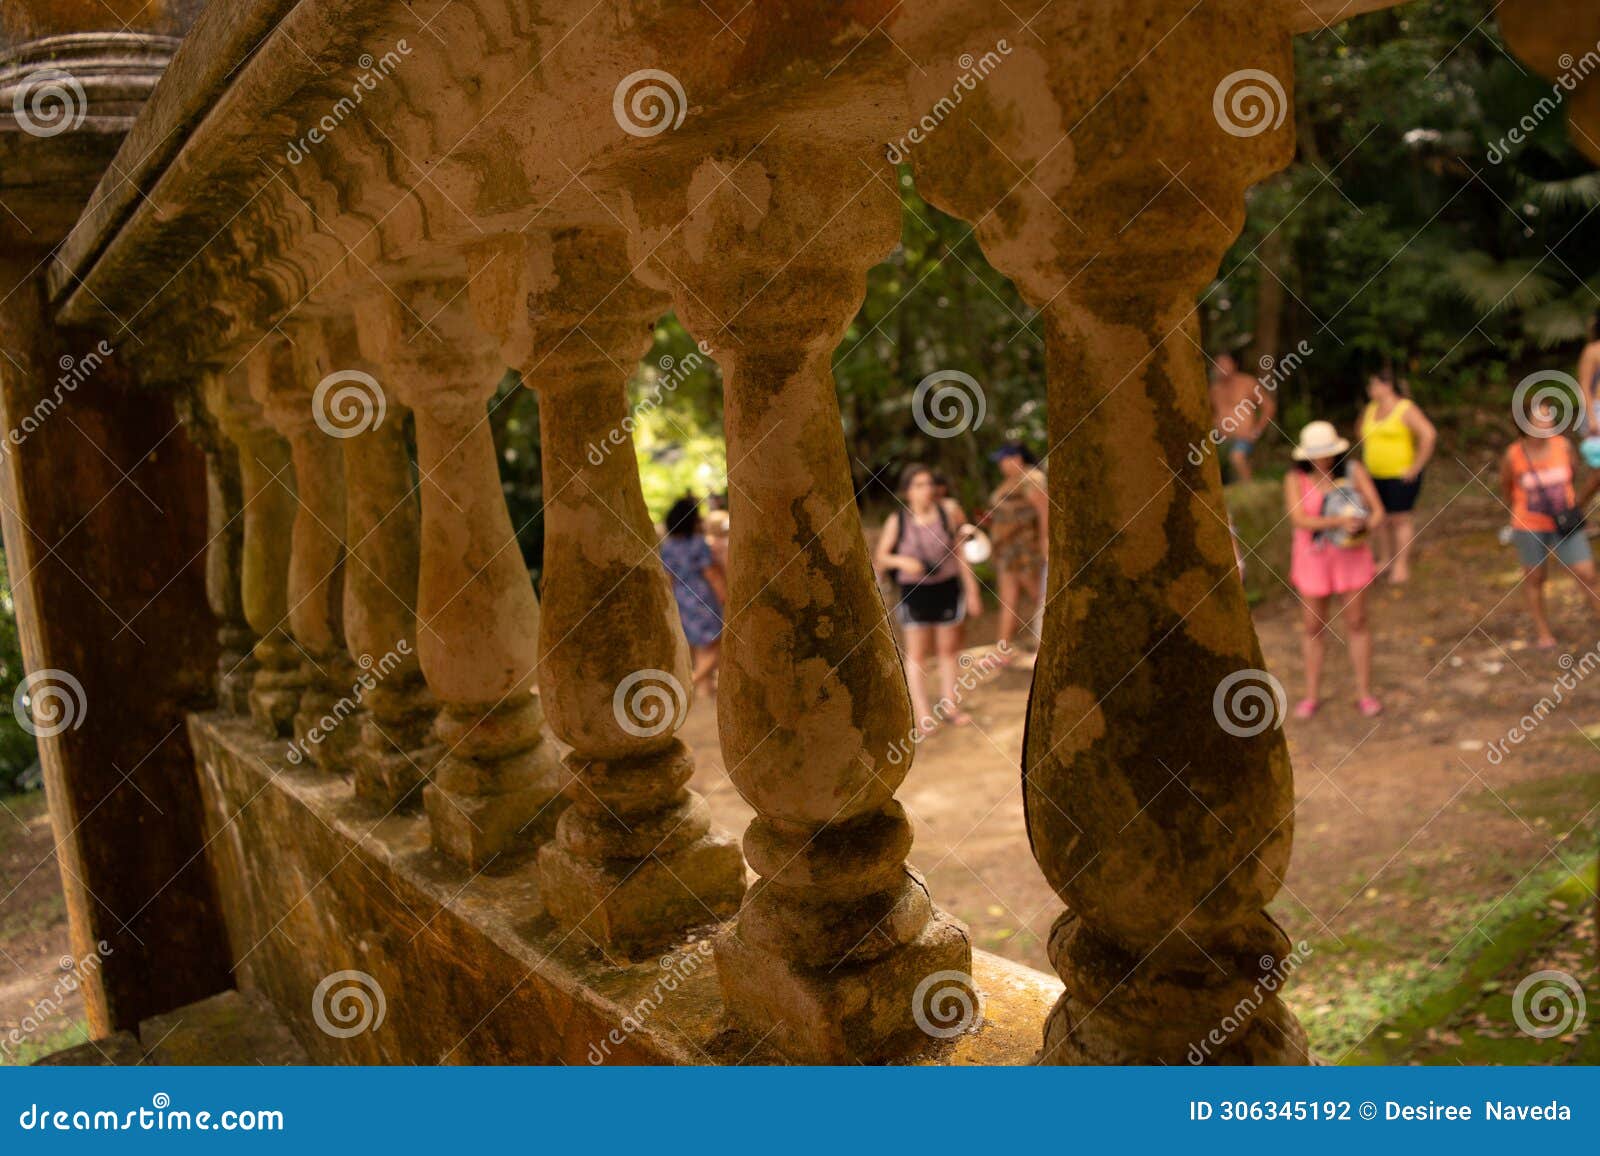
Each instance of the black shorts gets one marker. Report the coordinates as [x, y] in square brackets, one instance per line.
[1398, 495]
[934, 604]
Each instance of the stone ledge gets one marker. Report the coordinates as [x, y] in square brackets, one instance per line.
[471, 968]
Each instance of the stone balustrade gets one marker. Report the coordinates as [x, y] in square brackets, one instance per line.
[355, 277]
[452, 190]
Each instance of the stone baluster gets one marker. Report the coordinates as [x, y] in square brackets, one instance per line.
[634, 862]
[1157, 784]
[832, 943]
[383, 538]
[267, 489]
[236, 665]
[497, 787]
[316, 552]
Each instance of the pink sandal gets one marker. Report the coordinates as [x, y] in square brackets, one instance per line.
[1369, 707]
[1305, 708]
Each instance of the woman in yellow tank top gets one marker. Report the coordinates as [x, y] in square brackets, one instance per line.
[1397, 439]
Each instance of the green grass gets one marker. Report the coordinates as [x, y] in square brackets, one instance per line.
[1388, 1014]
[49, 1038]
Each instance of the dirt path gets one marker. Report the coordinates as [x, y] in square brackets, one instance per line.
[33, 936]
[1412, 847]
[1414, 850]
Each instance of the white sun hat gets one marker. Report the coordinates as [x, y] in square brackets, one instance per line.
[1319, 440]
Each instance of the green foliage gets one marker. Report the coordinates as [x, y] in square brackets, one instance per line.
[1409, 230]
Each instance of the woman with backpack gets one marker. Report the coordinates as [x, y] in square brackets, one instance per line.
[1333, 506]
[1537, 480]
[920, 548]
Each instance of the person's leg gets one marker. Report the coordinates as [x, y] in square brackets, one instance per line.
[1353, 617]
[705, 667]
[1240, 461]
[1401, 530]
[919, 640]
[1010, 614]
[1031, 586]
[1383, 545]
[948, 640]
[1313, 648]
[1533, 592]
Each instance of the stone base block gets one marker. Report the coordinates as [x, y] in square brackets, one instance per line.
[476, 829]
[855, 1013]
[233, 691]
[632, 907]
[272, 709]
[328, 742]
[391, 779]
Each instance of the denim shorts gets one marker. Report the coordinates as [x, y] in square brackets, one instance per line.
[1535, 546]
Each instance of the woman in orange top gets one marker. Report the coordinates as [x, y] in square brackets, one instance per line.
[1537, 478]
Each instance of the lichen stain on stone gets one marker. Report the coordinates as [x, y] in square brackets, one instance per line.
[716, 204]
[1193, 596]
[1076, 709]
[1211, 534]
[1135, 480]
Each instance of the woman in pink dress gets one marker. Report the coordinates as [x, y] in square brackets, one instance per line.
[1334, 506]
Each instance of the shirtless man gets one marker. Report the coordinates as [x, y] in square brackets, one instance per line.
[1241, 410]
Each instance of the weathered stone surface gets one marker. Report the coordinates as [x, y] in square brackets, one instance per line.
[844, 1014]
[229, 1028]
[472, 967]
[634, 906]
